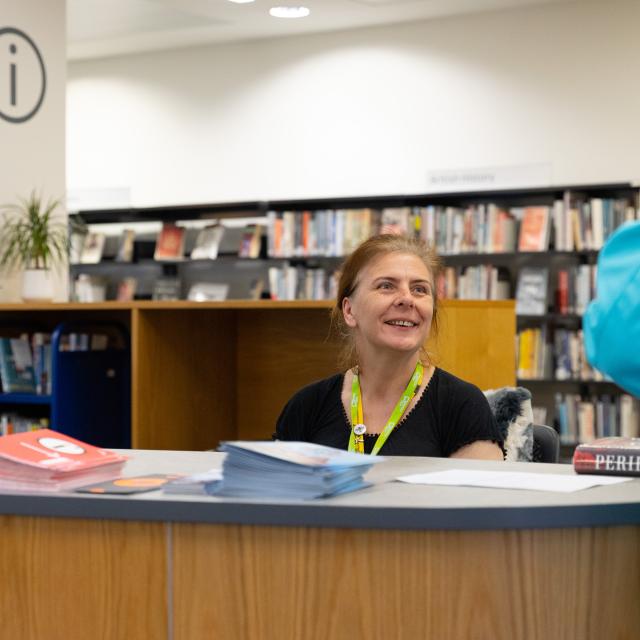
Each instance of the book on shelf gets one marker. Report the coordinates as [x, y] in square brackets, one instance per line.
[531, 291]
[208, 242]
[203, 291]
[92, 248]
[12, 422]
[300, 283]
[88, 288]
[170, 243]
[126, 289]
[256, 289]
[16, 366]
[250, 242]
[76, 244]
[396, 220]
[581, 419]
[41, 350]
[166, 289]
[610, 456]
[46, 460]
[126, 246]
[290, 470]
[534, 229]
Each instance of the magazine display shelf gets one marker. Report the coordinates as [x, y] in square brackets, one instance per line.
[452, 562]
[210, 371]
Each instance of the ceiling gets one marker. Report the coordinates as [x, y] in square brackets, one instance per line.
[99, 28]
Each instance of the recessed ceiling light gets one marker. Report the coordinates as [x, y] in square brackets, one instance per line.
[241, 1]
[289, 12]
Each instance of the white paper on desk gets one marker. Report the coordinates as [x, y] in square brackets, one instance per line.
[511, 480]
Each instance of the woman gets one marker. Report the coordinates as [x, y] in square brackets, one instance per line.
[391, 399]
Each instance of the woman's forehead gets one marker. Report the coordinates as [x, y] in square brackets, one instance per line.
[396, 264]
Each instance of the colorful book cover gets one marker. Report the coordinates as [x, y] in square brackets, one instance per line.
[534, 229]
[170, 243]
[51, 451]
[16, 366]
[616, 456]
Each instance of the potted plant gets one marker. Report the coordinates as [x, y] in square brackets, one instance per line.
[32, 239]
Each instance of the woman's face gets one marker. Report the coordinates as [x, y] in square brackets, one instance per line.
[392, 306]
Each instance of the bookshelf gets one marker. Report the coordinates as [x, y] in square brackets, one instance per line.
[313, 233]
[205, 372]
[77, 390]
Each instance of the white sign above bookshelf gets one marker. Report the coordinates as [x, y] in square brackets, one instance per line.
[490, 178]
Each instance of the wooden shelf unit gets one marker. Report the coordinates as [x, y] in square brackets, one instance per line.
[205, 372]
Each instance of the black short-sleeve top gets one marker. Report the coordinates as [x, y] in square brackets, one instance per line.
[449, 414]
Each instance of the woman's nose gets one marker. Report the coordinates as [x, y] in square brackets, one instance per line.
[404, 298]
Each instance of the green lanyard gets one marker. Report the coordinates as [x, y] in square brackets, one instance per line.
[356, 439]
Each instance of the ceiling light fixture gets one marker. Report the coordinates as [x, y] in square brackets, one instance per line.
[289, 12]
[241, 1]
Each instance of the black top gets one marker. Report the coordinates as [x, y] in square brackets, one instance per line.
[450, 414]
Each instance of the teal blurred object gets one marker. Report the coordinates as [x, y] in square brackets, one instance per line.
[611, 323]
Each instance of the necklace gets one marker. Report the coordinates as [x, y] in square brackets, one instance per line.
[358, 429]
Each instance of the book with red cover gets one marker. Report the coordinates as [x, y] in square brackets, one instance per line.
[45, 460]
[170, 243]
[615, 456]
[534, 229]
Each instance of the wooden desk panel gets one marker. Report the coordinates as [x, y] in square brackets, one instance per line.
[242, 582]
[278, 353]
[62, 579]
[183, 378]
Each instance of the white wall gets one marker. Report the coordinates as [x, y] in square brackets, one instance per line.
[32, 153]
[365, 112]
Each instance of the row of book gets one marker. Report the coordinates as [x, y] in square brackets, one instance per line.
[542, 353]
[88, 248]
[301, 283]
[568, 225]
[11, 422]
[585, 419]
[25, 364]
[480, 282]
[25, 361]
[575, 288]
[331, 232]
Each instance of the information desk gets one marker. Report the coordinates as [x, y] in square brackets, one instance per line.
[393, 561]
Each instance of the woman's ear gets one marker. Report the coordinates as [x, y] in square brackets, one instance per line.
[347, 313]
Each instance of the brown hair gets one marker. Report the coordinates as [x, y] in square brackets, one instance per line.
[368, 251]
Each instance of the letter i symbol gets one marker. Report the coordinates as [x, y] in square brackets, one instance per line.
[13, 49]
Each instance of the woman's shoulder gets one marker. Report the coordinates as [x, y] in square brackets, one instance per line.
[319, 390]
[447, 384]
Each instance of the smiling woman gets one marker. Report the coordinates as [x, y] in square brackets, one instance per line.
[390, 398]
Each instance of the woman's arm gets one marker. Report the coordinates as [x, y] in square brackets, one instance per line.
[479, 450]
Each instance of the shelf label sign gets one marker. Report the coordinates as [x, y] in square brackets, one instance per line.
[23, 78]
[489, 178]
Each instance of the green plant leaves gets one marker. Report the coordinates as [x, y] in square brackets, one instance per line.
[29, 236]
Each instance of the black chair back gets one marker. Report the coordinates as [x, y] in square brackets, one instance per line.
[546, 444]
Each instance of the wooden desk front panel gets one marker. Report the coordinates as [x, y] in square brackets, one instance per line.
[183, 378]
[64, 579]
[279, 351]
[241, 583]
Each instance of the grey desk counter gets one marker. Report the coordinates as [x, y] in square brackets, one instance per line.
[385, 505]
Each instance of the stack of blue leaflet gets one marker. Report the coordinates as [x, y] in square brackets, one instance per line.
[197, 484]
[290, 470]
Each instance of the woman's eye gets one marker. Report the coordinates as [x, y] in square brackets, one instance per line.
[385, 285]
[422, 290]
